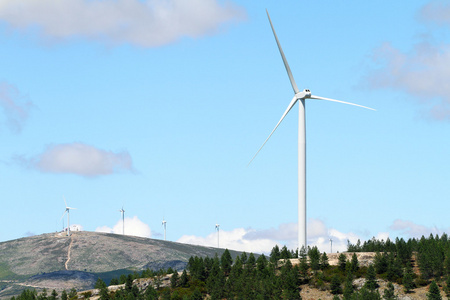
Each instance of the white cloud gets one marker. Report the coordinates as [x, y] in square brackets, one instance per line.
[262, 241]
[133, 226]
[422, 72]
[234, 239]
[284, 232]
[146, 23]
[413, 230]
[80, 159]
[436, 12]
[15, 109]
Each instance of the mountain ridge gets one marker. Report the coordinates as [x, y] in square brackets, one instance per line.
[102, 254]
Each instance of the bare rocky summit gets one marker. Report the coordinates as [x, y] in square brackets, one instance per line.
[56, 260]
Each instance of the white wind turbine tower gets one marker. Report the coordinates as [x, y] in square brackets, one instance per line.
[68, 216]
[300, 96]
[217, 228]
[164, 224]
[123, 221]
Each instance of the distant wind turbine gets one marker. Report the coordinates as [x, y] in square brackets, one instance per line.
[68, 216]
[300, 96]
[164, 224]
[123, 220]
[217, 228]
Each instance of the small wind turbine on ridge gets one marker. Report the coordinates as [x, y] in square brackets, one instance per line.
[68, 217]
[300, 97]
[217, 228]
[164, 224]
[123, 220]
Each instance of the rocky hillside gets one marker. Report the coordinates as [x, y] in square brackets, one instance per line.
[101, 254]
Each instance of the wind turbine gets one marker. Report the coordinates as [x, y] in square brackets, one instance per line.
[123, 220]
[300, 97]
[217, 228]
[164, 224]
[68, 216]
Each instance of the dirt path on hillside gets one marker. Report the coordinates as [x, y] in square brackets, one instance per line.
[68, 252]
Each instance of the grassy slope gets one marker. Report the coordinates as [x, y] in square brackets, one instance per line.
[92, 252]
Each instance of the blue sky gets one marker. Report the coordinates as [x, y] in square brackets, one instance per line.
[158, 106]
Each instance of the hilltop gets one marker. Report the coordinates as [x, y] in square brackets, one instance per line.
[27, 262]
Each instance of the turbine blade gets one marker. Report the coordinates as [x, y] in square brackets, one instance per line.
[65, 201]
[63, 215]
[286, 65]
[70, 208]
[339, 101]
[293, 101]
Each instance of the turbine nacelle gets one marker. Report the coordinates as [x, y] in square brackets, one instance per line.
[303, 94]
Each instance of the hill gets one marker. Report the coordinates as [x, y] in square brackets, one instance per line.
[27, 262]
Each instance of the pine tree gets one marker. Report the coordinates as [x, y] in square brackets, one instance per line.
[447, 262]
[275, 254]
[314, 258]
[244, 258]
[348, 287]
[433, 292]
[408, 281]
[165, 295]
[380, 262]
[196, 295]
[447, 287]
[366, 294]
[64, 295]
[99, 283]
[122, 279]
[226, 261]
[324, 261]
[289, 281]
[371, 278]
[354, 263]
[251, 262]
[129, 282]
[302, 253]
[336, 285]
[285, 253]
[392, 267]
[150, 293]
[53, 295]
[104, 293]
[216, 281]
[176, 295]
[342, 261]
[261, 265]
[304, 268]
[43, 295]
[389, 292]
[174, 280]
[184, 279]
[72, 293]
